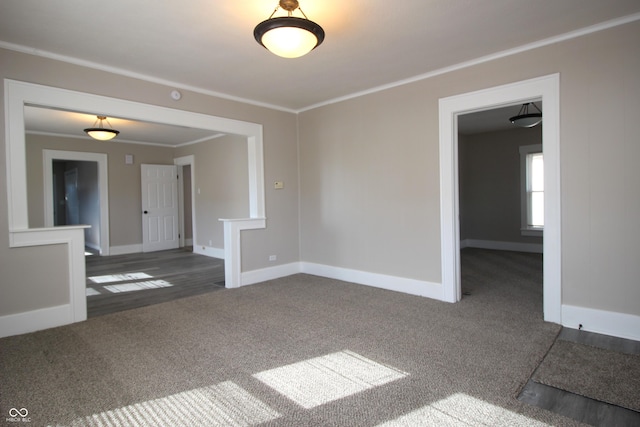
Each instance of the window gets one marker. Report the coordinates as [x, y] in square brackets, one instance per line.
[532, 189]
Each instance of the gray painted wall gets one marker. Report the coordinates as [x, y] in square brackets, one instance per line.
[490, 199]
[362, 176]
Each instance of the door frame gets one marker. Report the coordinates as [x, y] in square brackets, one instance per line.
[181, 162]
[546, 88]
[48, 156]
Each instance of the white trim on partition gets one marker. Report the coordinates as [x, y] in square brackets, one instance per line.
[232, 248]
[602, 322]
[35, 320]
[76, 311]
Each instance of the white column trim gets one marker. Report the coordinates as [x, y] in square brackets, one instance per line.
[233, 247]
[76, 311]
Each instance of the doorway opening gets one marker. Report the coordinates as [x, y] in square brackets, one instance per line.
[543, 88]
[92, 202]
[498, 250]
[76, 199]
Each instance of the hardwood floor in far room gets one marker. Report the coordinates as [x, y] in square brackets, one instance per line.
[122, 282]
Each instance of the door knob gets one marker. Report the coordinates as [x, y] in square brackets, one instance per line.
[146, 212]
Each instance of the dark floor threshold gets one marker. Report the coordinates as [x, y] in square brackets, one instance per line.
[577, 407]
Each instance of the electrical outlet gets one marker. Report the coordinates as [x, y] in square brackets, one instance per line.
[273, 257]
[278, 185]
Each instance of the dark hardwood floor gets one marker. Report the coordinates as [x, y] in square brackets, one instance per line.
[122, 282]
[582, 408]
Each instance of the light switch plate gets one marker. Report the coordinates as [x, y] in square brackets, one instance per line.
[278, 185]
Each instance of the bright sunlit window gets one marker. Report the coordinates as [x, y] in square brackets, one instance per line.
[532, 173]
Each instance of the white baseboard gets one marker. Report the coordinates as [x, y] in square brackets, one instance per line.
[125, 249]
[209, 251]
[502, 246]
[392, 283]
[269, 273]
[134, 249]
[619, 325]
[35, 320]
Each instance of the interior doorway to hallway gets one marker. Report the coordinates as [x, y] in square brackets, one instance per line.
[495, 240]
[546, 89]
[85, 202]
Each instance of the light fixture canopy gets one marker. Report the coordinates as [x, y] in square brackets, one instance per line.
[101, 133]
[289, 36]
[526, 119]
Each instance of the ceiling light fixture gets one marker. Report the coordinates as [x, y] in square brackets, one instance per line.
[101, 133]
[289, 36]
[526, 119]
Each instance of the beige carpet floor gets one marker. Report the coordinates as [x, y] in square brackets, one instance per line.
[297, 351]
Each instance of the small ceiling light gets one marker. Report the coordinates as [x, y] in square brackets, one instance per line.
[289, 36]
[526, 119]
[101, 133]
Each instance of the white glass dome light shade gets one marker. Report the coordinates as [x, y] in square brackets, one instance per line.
[289, 37]
[289, 42]
[102, 134]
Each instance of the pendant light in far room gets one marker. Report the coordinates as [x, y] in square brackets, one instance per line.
[101, 133]
[289, 36]
[526, 119]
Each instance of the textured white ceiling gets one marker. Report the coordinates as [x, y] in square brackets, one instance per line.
[48, 121]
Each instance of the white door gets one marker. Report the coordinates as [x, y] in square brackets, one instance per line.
[159, 207]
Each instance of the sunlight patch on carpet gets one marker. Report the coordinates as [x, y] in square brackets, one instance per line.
[320, 380]
[462, 409]
[110, 278]
[224, 404]
[138, 286]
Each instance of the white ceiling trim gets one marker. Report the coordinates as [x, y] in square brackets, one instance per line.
[132, 74]
[125, 141]
[541, 43]
[545, 42]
